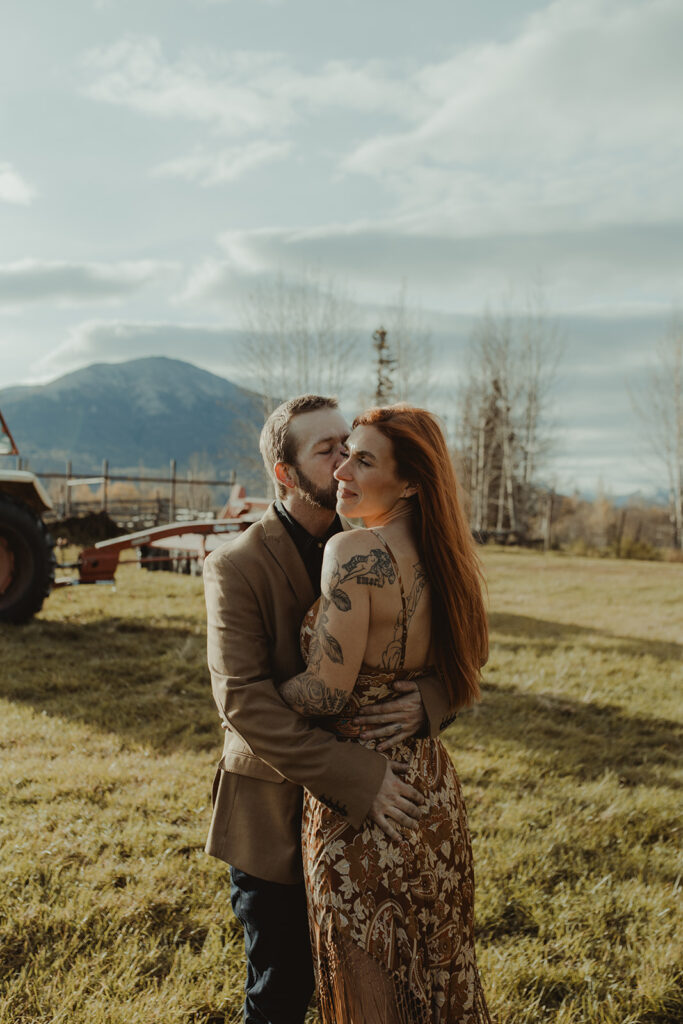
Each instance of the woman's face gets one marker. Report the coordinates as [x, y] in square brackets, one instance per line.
[368, 484]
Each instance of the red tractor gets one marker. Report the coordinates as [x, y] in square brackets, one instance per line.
[27, 561]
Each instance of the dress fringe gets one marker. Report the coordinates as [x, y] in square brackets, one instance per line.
[354, 988]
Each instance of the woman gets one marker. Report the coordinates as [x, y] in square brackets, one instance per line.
[391, 914]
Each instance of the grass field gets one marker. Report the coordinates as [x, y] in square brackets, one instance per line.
[111, 912]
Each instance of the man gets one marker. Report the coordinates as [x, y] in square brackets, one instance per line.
[258, 589]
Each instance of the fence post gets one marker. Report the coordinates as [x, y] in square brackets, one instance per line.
[548, 535]
[171, 511]
[105, 477]
[620, 531]
[67, 495]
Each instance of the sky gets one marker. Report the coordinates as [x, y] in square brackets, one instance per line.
[159, 160]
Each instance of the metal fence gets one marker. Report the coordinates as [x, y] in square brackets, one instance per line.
[157, 509]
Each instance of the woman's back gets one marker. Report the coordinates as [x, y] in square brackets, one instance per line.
[399, 627]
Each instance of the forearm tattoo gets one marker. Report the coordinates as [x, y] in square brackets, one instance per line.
[308, 695]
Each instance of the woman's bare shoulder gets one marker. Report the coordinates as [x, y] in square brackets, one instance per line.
[351, 542]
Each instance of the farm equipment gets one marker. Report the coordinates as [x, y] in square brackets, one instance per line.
[27, 562]
[184, 542]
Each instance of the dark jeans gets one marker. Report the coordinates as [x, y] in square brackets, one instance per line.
[276, 941]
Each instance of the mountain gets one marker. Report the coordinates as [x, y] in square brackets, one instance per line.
[142, 412]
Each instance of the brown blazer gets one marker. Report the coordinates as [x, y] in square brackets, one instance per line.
[257, 593]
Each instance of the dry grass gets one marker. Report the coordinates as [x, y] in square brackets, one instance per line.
[112, 913]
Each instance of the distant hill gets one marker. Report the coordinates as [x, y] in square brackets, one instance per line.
[142, 412]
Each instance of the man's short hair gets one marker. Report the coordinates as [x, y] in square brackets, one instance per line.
[277, 442]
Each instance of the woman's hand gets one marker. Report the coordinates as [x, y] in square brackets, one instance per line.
[393, 720]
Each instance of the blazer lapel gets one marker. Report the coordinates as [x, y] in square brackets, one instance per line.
[284, 551]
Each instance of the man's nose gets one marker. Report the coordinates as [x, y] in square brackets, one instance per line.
[341, 456]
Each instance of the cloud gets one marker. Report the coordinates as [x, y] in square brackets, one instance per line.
[574, 120]
[215, 348]
[13, 188]
[135, 73]
[603, 267]
[226, 165]
[32, 281]
[241, 92]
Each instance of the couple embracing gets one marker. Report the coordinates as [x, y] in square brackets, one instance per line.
[337, 655]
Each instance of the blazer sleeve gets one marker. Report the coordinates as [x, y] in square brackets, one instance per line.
[345, 776]
[437, 705]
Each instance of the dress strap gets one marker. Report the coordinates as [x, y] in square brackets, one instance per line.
[404, 604]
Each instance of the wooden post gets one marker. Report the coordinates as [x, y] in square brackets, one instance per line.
[171, 511]
[547, 540]
[105, 478]
[621, 523]
[67, 496]
[509, 481]
[482, 484]
[501, 486]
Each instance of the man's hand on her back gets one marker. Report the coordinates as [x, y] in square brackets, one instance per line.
[393, 720]
[397, 802]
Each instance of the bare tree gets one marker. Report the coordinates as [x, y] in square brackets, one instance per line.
[503, 432]
[487, 432]
[301, 336]
[659, 405]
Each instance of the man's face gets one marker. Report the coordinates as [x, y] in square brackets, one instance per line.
[318, 438]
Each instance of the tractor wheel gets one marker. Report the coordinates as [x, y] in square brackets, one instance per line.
[27, 561]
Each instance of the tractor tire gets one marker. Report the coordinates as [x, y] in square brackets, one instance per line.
[27, 561]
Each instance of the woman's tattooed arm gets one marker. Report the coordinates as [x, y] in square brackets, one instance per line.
[339, 637]
[308, 695]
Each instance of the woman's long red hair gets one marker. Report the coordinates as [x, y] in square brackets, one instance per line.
[445, 545]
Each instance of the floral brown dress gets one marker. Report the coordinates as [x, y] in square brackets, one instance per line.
[392, 924]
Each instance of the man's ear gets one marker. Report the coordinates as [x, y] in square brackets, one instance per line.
[284, 474]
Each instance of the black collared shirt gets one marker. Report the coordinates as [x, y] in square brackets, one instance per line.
[309, 547]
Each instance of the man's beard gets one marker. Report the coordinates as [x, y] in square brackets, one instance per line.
[318, 497]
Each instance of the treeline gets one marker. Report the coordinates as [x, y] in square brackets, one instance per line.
[596, 527]
[604, 529]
